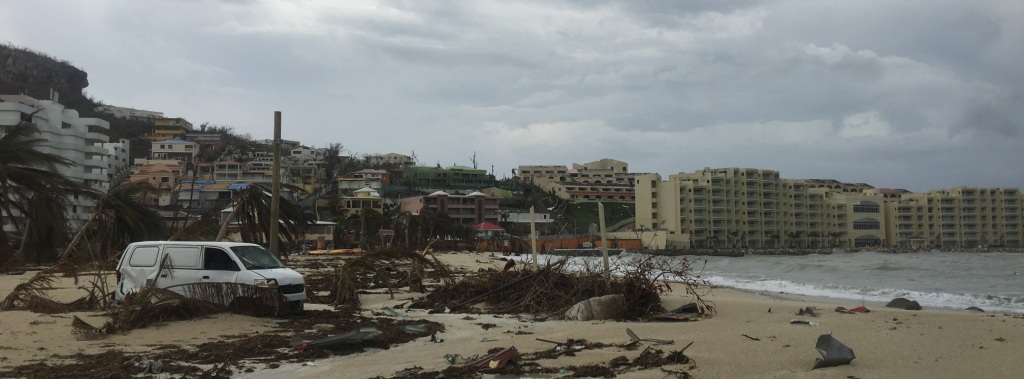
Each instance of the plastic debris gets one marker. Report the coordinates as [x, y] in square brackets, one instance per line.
[803, 322]
[415, 329]
[352, 337]
[833, 352]
[809, 311]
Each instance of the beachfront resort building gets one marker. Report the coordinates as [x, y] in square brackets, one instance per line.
[957, 217]
[79, 140]
[746, 207]
[606, 180]
[733, 208]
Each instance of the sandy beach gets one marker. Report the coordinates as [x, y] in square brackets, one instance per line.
[750, 336]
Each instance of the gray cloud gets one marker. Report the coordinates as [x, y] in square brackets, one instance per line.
[915, 94]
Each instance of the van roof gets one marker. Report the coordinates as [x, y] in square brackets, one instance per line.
[205, 243]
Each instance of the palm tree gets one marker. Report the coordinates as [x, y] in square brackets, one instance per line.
[25, 173]
[252, 210]
[119, 219]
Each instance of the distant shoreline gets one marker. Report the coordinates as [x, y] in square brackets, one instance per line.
[739, 252]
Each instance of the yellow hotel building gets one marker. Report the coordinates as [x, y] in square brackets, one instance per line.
[755, 208]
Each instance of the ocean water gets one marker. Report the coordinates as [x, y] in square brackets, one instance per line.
[953, 280]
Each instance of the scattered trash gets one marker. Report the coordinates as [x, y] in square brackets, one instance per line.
[597, 308]
[688, 312]
[152, 367]
[323, 327]
[752, 338]
[833, 352]
[860, 309]
[411, 371]
[496, 358]
[803, 322]
[902, 303]
[975, 309]
[634, 339]
[437, 337]
[352, 337]
[456, 359]
[415, 329]
[690, 308]
[809, 311]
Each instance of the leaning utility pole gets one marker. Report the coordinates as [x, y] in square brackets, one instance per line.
[604, 244]
[275, 193]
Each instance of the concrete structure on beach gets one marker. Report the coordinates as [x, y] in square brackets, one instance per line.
[754, 208]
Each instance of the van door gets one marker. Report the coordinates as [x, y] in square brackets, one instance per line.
[185, 266]
[137, 268]
[218, 266]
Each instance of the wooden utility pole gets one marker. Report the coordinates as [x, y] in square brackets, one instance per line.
[275, 193]
[533, 240]
[604, 244]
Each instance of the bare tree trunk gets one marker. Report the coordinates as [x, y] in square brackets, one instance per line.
[227, 221]
[79, 235]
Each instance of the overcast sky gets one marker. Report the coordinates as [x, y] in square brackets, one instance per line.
[912, 94]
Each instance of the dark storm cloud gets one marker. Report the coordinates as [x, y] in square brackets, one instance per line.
[915, 94]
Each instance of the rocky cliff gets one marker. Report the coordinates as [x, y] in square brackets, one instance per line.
[23, 71]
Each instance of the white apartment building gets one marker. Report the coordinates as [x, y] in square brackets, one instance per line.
[77, 139]
[308, 154]
[175, 149]
[130, 113]
[118, 165]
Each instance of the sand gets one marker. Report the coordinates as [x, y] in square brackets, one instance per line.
[889, 343]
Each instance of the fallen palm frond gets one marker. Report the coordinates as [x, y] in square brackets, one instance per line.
[31, 295]
[240, 298]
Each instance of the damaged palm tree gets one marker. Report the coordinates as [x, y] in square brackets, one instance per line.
[380, 268]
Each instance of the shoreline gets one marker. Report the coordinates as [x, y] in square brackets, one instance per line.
[750, 335]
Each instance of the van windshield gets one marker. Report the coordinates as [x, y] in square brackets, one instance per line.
[256, 258]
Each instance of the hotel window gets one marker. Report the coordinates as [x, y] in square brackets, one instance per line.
[866, 224]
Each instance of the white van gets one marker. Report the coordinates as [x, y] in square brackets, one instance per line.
[198, 262]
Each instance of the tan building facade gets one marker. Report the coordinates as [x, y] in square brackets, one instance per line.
[960, 217]
[745, 207]
[605, 180]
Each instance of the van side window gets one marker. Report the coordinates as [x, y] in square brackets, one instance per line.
[143, 256]
[217, 259]
[183, 257]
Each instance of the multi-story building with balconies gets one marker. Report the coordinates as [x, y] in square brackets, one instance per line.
[165, 128]
[960, 217]
[80, 140]
[467, 210]
[606, 180]
[746, 207]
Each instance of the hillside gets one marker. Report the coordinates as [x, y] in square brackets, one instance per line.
[23, 71]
